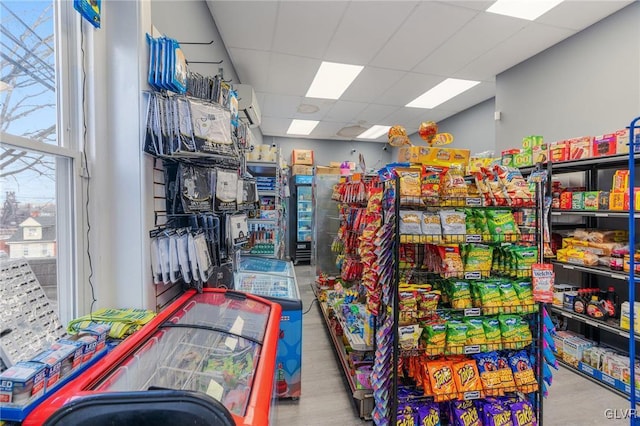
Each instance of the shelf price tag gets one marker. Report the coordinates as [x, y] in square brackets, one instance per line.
[474, 202]
[472, 312]
[473, 238]
[543, 279]
[473, 349]
[468, 396]
[472, 275]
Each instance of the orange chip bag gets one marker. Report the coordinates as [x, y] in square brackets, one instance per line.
[466, 377]
[443, 386]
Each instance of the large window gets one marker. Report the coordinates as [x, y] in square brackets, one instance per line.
[36, 159]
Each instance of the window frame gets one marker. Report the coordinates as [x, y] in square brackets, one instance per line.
[70, 199]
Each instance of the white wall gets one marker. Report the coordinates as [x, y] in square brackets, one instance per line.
[588, 84]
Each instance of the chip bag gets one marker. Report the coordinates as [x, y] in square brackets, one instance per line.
[460, 294]
[434, 336]
[409, 181]
[523, 373]
[492, 333]
[522, 414]
[441, 379]
[475, 333]
[502, 225]
[508, 294]
[506, 375]
[467, 377]
[456, 337]
[465, 413]
[487, 364]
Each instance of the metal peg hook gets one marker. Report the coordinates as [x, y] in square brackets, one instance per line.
[202, 43]
[205, 62]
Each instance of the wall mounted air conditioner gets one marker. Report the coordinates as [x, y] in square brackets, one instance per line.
[248, 109]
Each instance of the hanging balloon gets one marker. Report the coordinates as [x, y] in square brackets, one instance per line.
[427, 131]
[398, 136]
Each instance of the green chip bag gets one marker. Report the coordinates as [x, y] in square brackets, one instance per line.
[490, 297]
[508, 294]
[525, 295]
[456, 337]
[492, 333]
[511, 330]
[501, 225]
[470, 220]
[475, 333]
[481, 223]
[478, 259]
[434, 336]
[525, 257]
[460, 295]
[524, 334]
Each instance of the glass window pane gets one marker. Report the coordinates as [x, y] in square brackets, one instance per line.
[28, 213]
[28, 72]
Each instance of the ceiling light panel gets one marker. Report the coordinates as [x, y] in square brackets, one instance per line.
[523, 9]
[374, 132]
[441, 93]
[332, 79]
[302, 127]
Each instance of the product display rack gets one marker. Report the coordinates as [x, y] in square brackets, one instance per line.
[266, 227]
[362, 398]
[533, 312]
[590, 168]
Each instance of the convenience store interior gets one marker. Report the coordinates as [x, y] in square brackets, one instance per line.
[568, 74]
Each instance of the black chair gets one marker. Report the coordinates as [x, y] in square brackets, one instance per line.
[143, 408]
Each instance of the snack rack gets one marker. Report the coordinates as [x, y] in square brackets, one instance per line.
[391, 310]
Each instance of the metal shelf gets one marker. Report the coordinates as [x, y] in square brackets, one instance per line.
[594, 213]
[607, 326]
[596, 270]
[362, 398]
[582, 165]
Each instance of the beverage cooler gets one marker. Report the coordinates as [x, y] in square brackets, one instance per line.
[301, 218]
[220, 344]
[275, 280]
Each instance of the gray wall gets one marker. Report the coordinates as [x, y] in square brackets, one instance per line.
[326, 151]
[473, 128]
[589, 84]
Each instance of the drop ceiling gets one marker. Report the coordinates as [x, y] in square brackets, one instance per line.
[406, 48]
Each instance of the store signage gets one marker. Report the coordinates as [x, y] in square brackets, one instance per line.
[543, 279]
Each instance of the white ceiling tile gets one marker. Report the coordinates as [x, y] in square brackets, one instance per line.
[324, 106]
[375, 114]
[328, 130]
[274, 126]
[291, 75]
[345, 111]
[523, 45]
[246, 24]
[427, 28]
[408, 88]
[305, 28]
[252, 67]
[281, 105]
[472, 4]
[365, 28]
[579, 15]
[473, 96]
[371, 83]
[466, 45]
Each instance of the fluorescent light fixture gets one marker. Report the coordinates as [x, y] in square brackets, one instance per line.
[523, 9]
[441, 93]
[373, 132]
[332, 79]
[302, 127]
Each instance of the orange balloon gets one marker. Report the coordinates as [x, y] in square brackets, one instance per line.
[427, 131]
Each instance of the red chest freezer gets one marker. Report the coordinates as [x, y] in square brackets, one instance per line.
[219, 342]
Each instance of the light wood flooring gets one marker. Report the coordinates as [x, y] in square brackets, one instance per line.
[572, 401]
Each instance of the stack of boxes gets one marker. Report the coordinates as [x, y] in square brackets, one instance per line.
[266, 153]
[534, 150]
[302, 162]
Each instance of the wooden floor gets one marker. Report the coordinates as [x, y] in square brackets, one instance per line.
[572, 401]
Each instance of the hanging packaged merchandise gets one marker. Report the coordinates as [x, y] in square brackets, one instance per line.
[431, 225]
[431, 183]
[233, 108]
[193, 257]
[514, 185]
[174, 263]
[502, 225]
[156, 268]
[183, 254]
[179, 69]
[454, 186]
[238, 229]
[205, 266]
[247, 194]
[225, 183]
[152, 62]
[195, 190]
[453, 224]
[410, 187]
[163, 250]
[184, 126]
[211, 125]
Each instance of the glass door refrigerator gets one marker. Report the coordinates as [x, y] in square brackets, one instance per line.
[275, 280]
[301, 218]
[221, 343]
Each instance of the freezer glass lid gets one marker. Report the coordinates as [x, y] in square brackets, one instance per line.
[266, 265]
[266, 285]
[211, 345]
